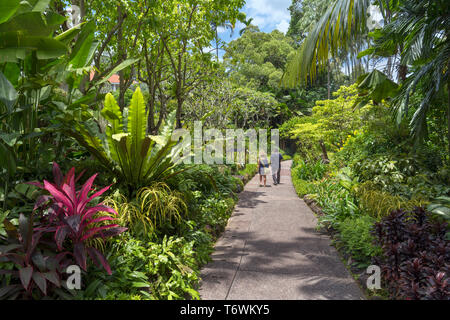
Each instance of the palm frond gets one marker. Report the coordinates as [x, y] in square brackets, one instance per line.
[340, 26]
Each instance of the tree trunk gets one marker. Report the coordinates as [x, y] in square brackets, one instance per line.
[217, 45]
[178, 115]
[448, 117]
[121, 56]
[328, 80]
[324, 152]
[402, 71]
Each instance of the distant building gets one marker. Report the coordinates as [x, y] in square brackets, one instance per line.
[114, 81]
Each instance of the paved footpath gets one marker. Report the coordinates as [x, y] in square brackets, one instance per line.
[271, 250]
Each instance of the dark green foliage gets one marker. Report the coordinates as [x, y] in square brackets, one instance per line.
[166, 269]
[310, 170]
[355, 235]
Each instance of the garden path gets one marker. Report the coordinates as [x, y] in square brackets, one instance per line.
[271, 250]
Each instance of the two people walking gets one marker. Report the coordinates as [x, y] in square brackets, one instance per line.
[263, 167]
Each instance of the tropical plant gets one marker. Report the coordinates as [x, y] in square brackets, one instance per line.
[336, 202]
[35, 270]
[310, 170]
[38, 54]
[355, 235]
[155, 208]
[441, 207]
[331, 123]
[71, 216]
[424, 29]
[163, 270]
[379, 204]
[135, 157]
[339, 28]
[417, 30]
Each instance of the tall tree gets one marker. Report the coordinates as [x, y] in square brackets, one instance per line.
[185, 30]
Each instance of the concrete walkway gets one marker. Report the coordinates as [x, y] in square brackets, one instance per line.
[271, 250]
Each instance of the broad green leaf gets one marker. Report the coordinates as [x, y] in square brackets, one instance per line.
[140, 285]
[10, 138]
[12, 54]
[7, 9]
[8, 95]
[123, 65]
[7, 160]
[68, 35]
[30, 23]
[111, 112]
[25, 276]
[41, 282]
[17, 42]
[379, 85]
[137, 127]
[41, 5]
[84, 48]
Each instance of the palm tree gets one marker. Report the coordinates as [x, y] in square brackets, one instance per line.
[247, 24]
[424, 27]
[339, 29]
[418, 30]
[216, 26]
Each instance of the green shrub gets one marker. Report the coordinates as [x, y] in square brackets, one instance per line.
[155, 208]
[354, 233]
[401, 175]
[146, 270]
[248, 171]
[302, 187]
[310, 170]
[379, 204]
[337, 202]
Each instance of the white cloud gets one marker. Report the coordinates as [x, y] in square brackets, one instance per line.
[269, 14]
[283, 26]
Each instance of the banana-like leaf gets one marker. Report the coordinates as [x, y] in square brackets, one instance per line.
[7, 159]
[17, 44]
[111, 112]
[7, 9]
[8, 95]
[123, 65]
[84, 49]
[41, 5]
[70, 34]
[29, 23]
[341, 25]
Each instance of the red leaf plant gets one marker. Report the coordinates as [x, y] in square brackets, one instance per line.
[71, 216]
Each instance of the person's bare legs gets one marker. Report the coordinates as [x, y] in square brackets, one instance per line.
[260, 180]
[265, 180]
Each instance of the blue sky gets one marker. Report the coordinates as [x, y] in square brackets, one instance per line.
[267, 15]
